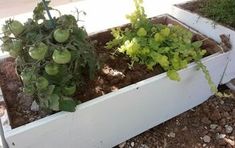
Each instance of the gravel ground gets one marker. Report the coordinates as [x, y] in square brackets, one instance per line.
[209, 125]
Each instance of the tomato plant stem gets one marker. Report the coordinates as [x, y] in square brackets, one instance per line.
[49, 14]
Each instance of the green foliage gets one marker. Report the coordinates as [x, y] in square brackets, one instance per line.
[51, 62]
[222, 11]
[169, 46]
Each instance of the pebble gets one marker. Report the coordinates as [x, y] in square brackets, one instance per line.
[222, 121]
[213, 126]
[144, 146]
[132, 144]
[233, 113]
[220, 136]
[229, 141]
[122, 145]
[172, 135]
[185, 128]
[219, 129]
[205, 120]
[228, 129]
[226, 114]
[215, 115]
[34, 106]
[206, 138]
[222, 102]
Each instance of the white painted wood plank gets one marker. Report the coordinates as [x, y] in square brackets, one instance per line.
[212, 30]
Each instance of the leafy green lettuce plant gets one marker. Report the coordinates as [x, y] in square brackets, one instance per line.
[169, 46]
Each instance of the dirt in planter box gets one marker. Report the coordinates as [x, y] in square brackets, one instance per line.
[221, 11]
[115, 73]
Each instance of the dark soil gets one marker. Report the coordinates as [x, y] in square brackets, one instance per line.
[210, 125]
[221, 11]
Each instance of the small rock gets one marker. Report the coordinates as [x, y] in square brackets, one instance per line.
[222, 102]
[228, 129]
[229, 141]
[222, 142]
[215, 115]
[226, 114]
[233, 113]
[205, 120]
[219, 129]
[132, 144]
[220, 136]
[144, 146]
[185, 128]
[206, 138]
[122, 145]
[172, 135]
[222, 121]
[213, 126]
[34, 106]
[204, 145]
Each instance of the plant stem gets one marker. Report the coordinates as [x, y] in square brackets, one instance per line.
[52, 23]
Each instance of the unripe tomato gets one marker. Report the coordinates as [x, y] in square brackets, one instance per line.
[16, 27]
[61, 56]
[42, 83]
[27, 76]
[61, 35]
[39, 51]
[52, 69]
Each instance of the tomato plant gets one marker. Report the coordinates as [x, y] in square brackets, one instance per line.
[51, 60]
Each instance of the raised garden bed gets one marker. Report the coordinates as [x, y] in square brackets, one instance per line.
[112, 117]
[190, 13]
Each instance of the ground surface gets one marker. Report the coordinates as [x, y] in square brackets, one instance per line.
[210, 125]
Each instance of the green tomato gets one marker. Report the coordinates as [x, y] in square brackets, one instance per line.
[69, 90]
[52, 69]
[141, 32]
[27, 76]
[42, 83]
[15, 48]
[39, 51]
[16, 27]
[29, 89]
[61, 57]
[61, 35]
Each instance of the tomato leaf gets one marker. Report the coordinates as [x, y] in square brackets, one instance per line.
[67, 105]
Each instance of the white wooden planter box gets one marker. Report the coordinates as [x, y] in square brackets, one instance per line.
[113, 118]
[210, 29]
